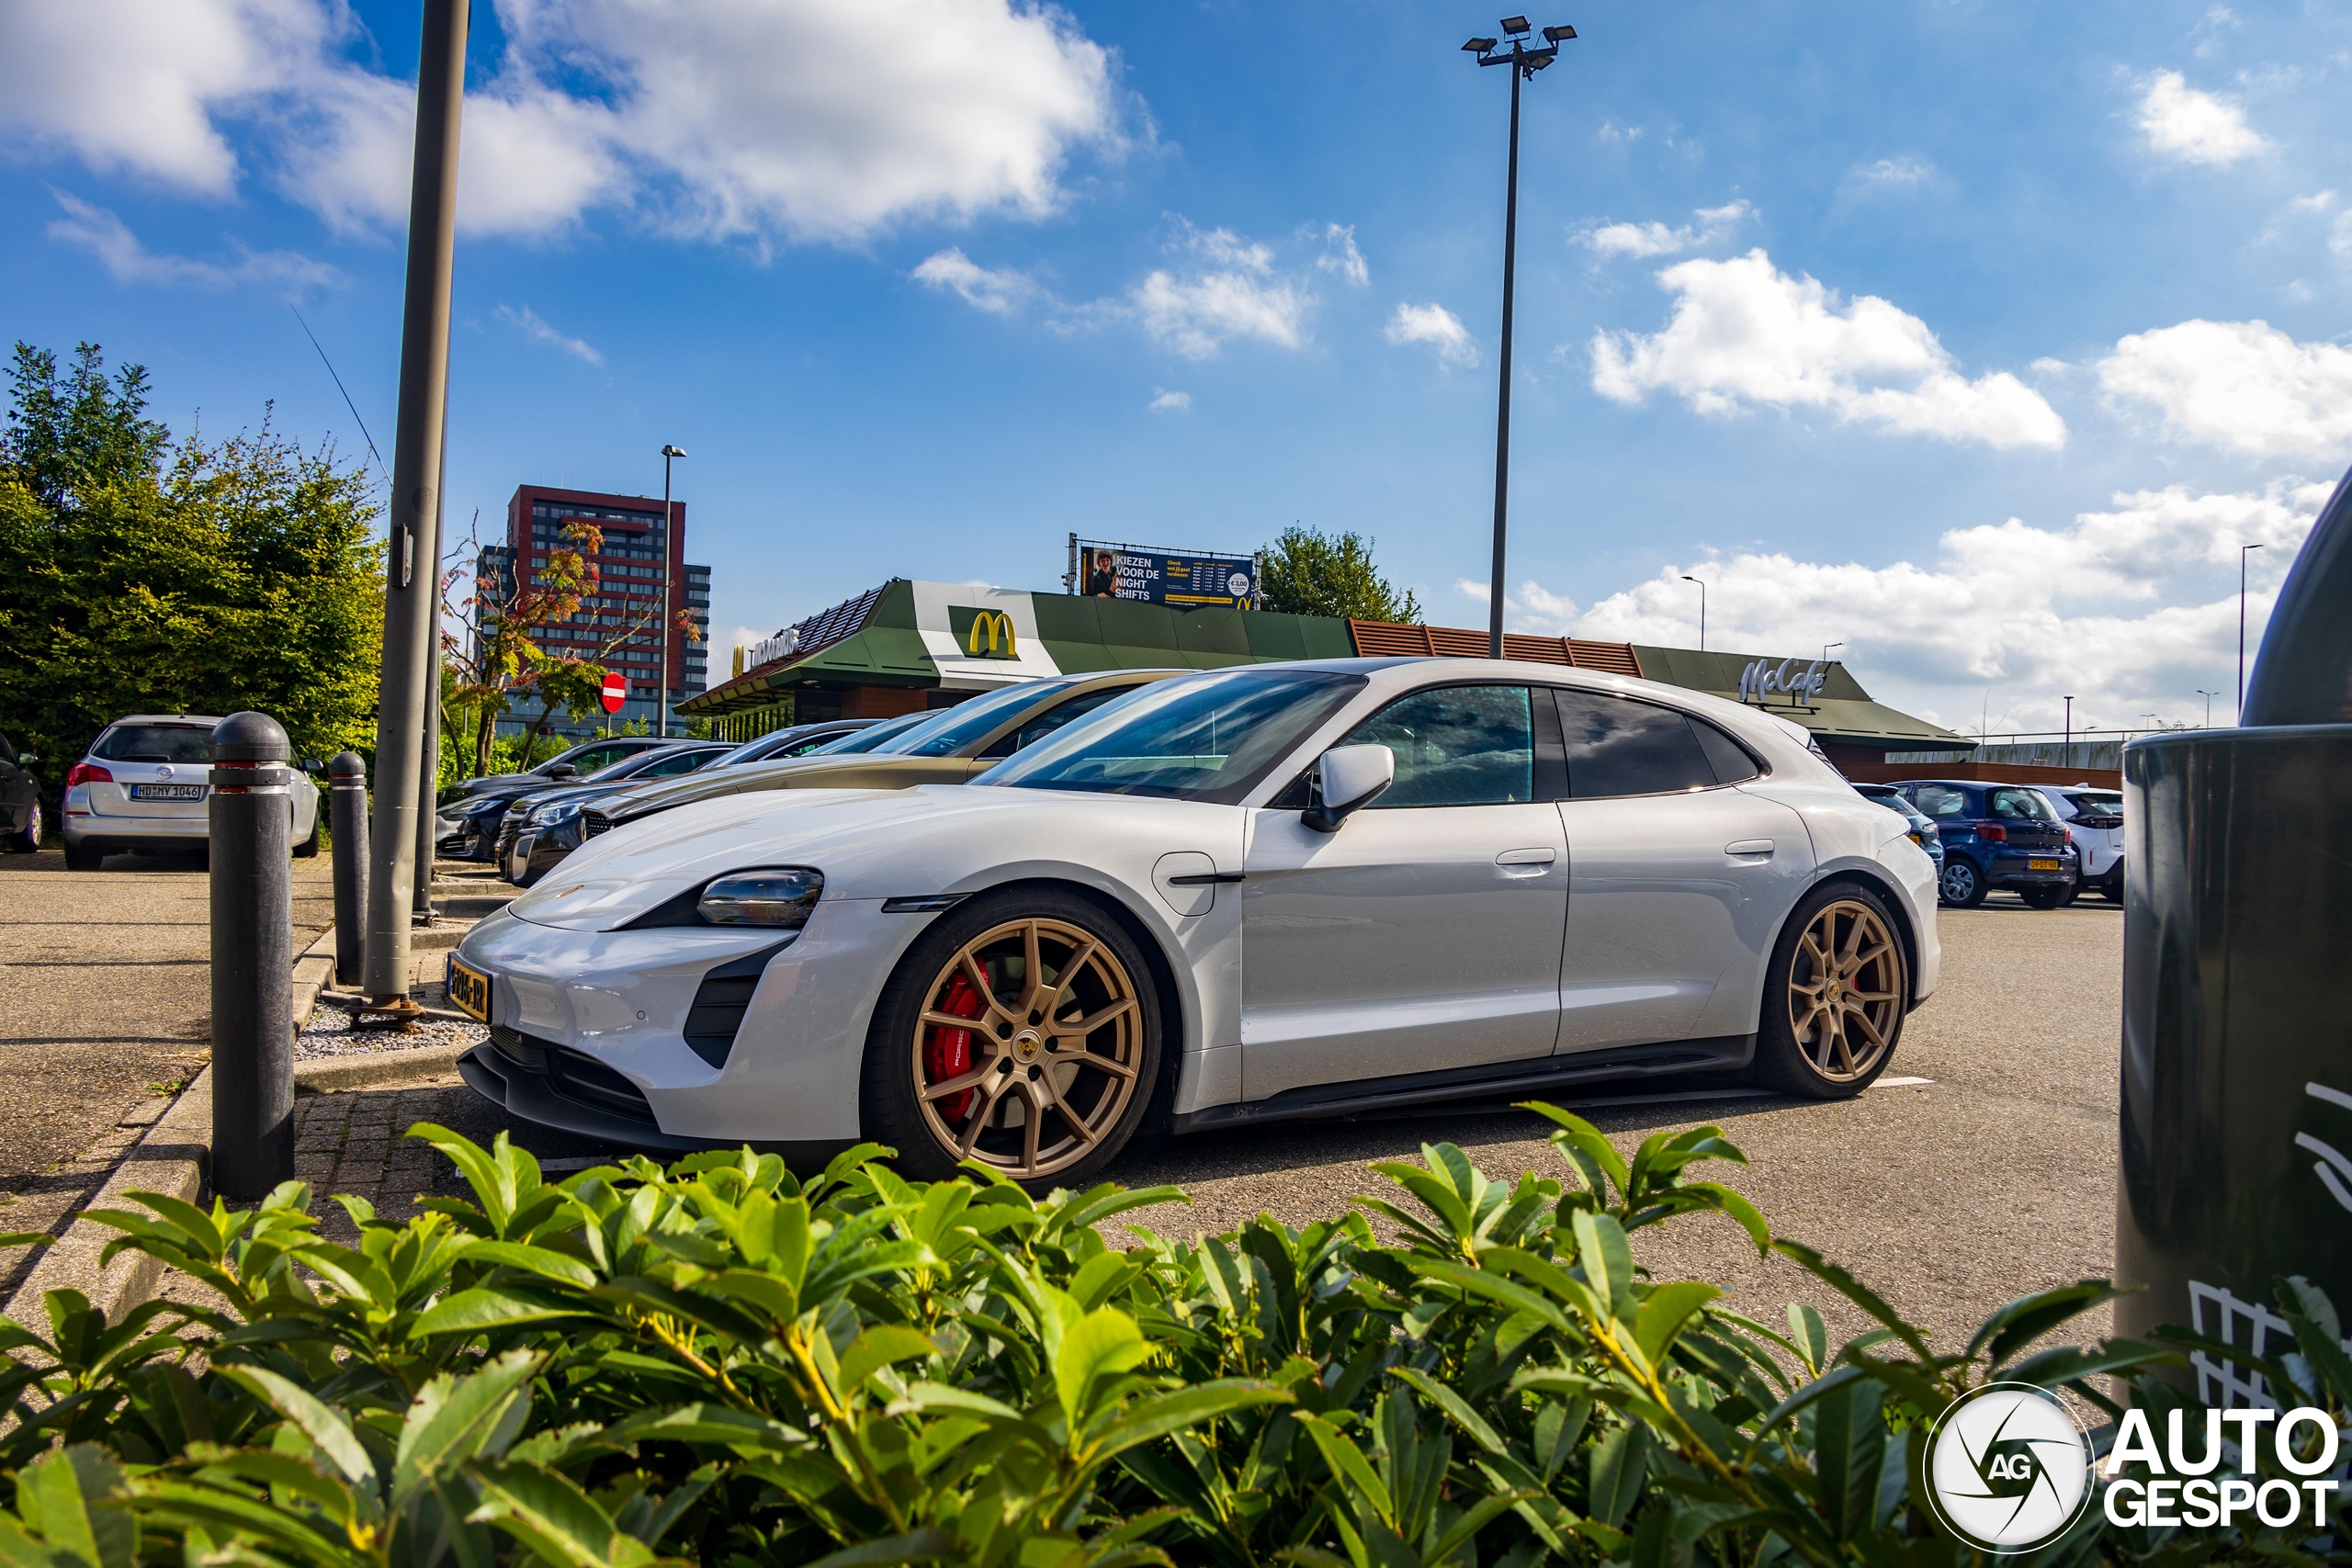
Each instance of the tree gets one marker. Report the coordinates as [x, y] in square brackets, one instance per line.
[140, 576]
[1308, 572]
[499, 661]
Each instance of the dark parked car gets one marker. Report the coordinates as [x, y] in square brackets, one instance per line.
[539, 830]
[467, 821]
[1998, 836]
[1923, 832]
[19, 797]
[581, 759]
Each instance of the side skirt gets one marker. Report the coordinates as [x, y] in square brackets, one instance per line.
[1722, 1053]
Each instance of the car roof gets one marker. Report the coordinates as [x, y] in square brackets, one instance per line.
[187, 718]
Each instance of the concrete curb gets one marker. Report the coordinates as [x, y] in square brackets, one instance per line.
[173, 1158]
[332, 1075]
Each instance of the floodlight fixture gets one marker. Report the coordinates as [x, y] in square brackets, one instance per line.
[1541, 60]
[1559, 35]
[1517, 27]
[1479, 45]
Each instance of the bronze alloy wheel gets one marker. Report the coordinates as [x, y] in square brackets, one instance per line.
[1845, 990]
[1028, 1048]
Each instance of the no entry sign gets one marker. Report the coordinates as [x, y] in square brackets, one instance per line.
[615, 689]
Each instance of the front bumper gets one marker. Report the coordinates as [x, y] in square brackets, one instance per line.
[538, 850]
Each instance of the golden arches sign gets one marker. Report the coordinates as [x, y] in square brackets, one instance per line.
[989, 624]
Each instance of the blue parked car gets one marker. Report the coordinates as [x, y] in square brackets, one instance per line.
[1998, 836]
[1923, 832]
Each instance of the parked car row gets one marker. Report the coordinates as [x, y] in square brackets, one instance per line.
[2047, 843]
[1023, 929]
[145, 784]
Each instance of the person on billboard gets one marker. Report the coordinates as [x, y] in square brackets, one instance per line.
[1101, 580]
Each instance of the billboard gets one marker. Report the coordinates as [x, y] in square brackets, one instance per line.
[1181, 577]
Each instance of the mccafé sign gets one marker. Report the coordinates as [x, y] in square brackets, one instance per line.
[1761, 678]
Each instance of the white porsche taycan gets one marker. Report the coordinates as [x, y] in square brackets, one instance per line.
[1245, 896]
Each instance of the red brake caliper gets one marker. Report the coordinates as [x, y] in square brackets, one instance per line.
[948, 1054]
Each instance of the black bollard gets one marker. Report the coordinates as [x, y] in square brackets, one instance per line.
[253, 958]
[348, 800]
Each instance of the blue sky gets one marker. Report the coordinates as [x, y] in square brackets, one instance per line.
[1977, 336]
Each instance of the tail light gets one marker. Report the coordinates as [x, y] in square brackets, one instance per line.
[87, 772]
[2069, 832]
[1994, 833]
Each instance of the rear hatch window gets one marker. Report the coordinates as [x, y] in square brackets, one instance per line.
[176, 743]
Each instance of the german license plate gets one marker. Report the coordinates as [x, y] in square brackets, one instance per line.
[2041, 865]
[469, 988]
[167, 791]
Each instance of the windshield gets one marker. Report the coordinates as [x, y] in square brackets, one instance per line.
[156, 743]
[867, 740]
[968, 724]
[2019, 804]
[2099, 805]
[1207, 738]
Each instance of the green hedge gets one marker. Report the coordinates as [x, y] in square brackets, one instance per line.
[723, 1363]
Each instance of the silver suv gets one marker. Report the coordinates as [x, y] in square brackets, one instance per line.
[143, 785]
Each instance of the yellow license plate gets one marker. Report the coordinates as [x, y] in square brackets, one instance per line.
[469, 989]
[2041, 865]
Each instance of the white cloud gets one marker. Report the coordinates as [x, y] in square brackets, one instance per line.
[1438, 327]
[1167, 402]
[1227, 288]
[2339, 237]
[1904, 173]
[2209, 30]
[2244, 385]
[1655, 239]
[527, 322]
[998, 291]
[1341, 255]
[1622, 135]
[730, 118]
[1745, 333]
[2191, 126]
[1535, 609]
[126, 260]
[1939, 635]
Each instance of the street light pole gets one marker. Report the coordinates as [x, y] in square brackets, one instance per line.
[412, 564]
[661, 679]
[2241, 553]
[2066, 755]
[2209, 697]
[1702, 613]
[1828, 646]
[1523, 63]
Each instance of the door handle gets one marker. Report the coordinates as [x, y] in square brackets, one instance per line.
[1759, 847]
[1527, 857]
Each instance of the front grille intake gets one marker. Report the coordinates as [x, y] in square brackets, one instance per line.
[573, 1074]
[593, 822]
[720, 1002]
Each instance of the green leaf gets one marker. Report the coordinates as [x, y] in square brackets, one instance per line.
[1811, 1334]
[930, 1544]
[1454, 1404]
[1347, 1462]
[1854, 1291]
[59, 1495]
[452, 1419]
[492, 1306]
[1103, 1343]
[2021, 1322]
[554, 1519]
[1618, 1462]
[1849, 1451]
[1607, 1257]
[1157, 1416]
[1665, 1310]
[326, 1426]
[1578, 1134]
[879, 1346]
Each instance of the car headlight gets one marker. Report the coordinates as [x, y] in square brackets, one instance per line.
[775, 895]
[558, 811]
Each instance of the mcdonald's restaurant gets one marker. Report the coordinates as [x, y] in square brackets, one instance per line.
[906, 645]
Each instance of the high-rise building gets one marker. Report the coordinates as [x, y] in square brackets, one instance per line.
[619, 624]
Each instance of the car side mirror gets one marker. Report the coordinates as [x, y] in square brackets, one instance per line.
[562, 771]
[1351, 778]
[312, 766]
[26, 759]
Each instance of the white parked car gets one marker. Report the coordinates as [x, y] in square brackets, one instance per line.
[1242, 895]
[143, 784]
[2094, 814]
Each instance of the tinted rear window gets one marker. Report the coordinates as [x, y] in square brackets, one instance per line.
[1620, 746]
[2020, 805]
[156, 743]
[1941, 800]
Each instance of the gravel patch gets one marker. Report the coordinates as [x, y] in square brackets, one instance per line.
[330, 1033]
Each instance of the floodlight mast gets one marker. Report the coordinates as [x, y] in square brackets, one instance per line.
[1525, 63]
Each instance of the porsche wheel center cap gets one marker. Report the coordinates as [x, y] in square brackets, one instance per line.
[1027, 1045]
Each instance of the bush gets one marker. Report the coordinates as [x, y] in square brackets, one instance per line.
[724, 1362]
